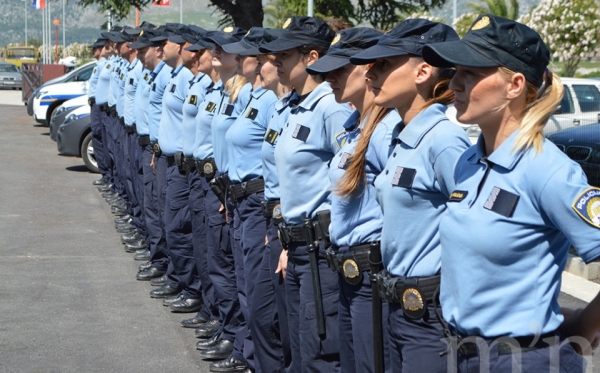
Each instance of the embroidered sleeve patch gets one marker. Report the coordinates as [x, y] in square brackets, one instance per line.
[404, 177]
[301, 133]
[502, 202]
[457, 196]
[271, 136]
[587, 206]
[227, 110]
[193, 100]
[252, 113]
[341, 138]
[210, 107]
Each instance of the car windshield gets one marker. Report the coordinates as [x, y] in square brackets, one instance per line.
[8, 69]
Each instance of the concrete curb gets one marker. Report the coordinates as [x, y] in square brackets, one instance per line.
[576, 266]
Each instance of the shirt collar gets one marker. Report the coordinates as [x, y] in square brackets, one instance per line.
[284, 102]
[422, 123]
[352, 121]
[504, 156]
[256, 93]
[133, 64]
[322, 90]
[176, 71]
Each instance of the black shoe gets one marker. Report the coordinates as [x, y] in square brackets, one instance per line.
[105, 188]
[144, 266]
[118, 210]
[149, 274]
[136, 245]
[143, 254]
[119, 205]
[122, 222]
[186, 305]
[109, 195]
[208, 343]
[124, 228]
[99, 182]
[123, 219]
[168, 300]
[208, 329]
[163, 291]
[221, 350]
[130, 237]
[194, 322]
[230, 364]
[159, 281]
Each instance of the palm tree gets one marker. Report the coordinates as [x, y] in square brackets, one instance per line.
[503, 8]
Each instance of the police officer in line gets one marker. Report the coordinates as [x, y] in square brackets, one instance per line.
[149, 54]
[356, 218]
[269, 326]
[197, 58]
[220, 330]
[311, 136]
[517, 206]
[177, 218]
[234, 99]
[414, 187]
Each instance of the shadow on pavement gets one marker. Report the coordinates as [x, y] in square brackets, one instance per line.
[80, 168]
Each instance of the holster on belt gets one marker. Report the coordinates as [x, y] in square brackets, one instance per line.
[104, 107]
[324, 220]
[91, 101]
[352, 263]
[122, 120]
[219, 186]
[112, 110]
[246, 188]
[189, 165]
[144, 140]
[412, 293]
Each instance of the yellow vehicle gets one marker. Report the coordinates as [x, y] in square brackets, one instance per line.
[19, 54]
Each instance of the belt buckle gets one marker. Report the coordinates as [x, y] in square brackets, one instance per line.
[352, 273]
[208, 168]
[413, 301]
[156, 147]
[276, 214]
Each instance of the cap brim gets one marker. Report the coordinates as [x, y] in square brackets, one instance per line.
[220, 40]
[369, 55]
[198, 46]
[241, 49]
[327, 64]
[457, 52]
[177, 39]
[280, 45]
[139, 44]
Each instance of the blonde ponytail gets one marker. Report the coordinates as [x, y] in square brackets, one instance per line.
[233, 87]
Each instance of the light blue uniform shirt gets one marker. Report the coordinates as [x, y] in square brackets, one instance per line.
[357, 219]
[225, 114]
[194, 99]
[246, 135]
[413, 189]
[506, 236]
[113, 92]
[142, 96]
[121, 92]
[278, 120]
[94, 78]
[171, 121]
[203, 148]
[103, 84]
[157, 90]
[132, 78]
[314, 132]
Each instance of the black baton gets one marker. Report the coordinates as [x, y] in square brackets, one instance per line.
[376, 267]
[316, 277]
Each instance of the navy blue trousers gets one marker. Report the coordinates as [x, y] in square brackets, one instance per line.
[355, 314]
[415, 345]
[178, 230]
[152, 213]
[108, 123]
[311, 352]
[221, 267]
[97, 141]
[204, 286]
[106, 142]
[268, 324]
[135, 179]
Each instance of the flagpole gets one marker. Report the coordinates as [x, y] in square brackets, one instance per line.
[63, 26]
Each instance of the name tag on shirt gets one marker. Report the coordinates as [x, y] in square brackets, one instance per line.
[108, 66]
[271, 136]
[502, 202]
[403, 177]
[301, 132]
[252, 113]
[344, 161]
[458, 195]
[131, 80]
[153, 87]
[210, 107]
[193, 100]
[227, 110]
[172, 88]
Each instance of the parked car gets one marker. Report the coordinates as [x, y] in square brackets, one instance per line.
[45, 99]
[74, 137]
[581, 144]
[10, 76]
[61, 113]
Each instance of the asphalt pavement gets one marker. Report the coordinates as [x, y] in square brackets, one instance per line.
[69, 300]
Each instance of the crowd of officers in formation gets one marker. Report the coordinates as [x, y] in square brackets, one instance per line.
[302, 190]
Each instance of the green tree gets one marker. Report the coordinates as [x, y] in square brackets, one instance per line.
[464, 22]
[242, 13]
[279, 10]
[568, 27]
[385, 14]
[503, 8]
[119, 8]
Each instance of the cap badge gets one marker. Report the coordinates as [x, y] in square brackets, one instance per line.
[336, 39]
[247, 32]
[483, 22]
[228, 29]
[142, 33]
[287, 23]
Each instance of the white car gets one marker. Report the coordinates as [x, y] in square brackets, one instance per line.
[49, 98]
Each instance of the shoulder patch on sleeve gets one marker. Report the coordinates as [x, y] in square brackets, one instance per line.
[587, 206]
[340, 138]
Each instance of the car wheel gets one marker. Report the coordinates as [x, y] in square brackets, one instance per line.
[87, 153]
[51, 110]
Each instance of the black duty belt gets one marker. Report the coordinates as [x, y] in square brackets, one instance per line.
[92, 101]
[112, 110]
[246, 188]
[122, 121]
[104, 107]
[219, 186]
[268, 208]
[412, 293]
[467, 346]
[156, 149]
[189, 164]
[352, 263]
[175, 160]
[144, 140]
[207, 167]
[130, 129]
[297, 234]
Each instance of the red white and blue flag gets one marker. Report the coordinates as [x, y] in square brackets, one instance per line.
[39, 4]
[162, 2]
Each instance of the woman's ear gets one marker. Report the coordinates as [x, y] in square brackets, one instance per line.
[516, 85]
[423, 72]
[311, 57]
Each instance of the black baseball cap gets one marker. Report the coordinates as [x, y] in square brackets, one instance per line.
[190, 34]
[109, 33]
[135, 31]
[98, 43]
[121, 36]
[494, 41]
[169, 30]
[299, 31]
[146, 39]
[346, 44]
[228, 35]
[408, 37]
[249, 44]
